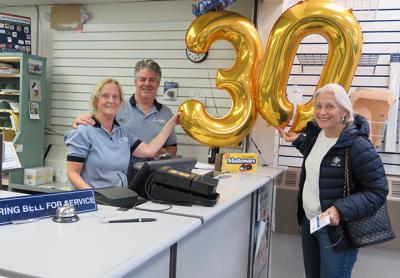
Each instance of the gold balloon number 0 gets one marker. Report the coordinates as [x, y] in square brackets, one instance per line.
[264, 89]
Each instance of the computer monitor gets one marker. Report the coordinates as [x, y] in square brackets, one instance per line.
[141, 181]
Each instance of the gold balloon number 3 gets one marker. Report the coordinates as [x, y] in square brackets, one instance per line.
[239, 80]
[268, 86]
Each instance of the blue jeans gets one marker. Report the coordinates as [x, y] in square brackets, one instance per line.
[320, 260]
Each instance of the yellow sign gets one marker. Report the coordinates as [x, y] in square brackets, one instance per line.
[239, 162]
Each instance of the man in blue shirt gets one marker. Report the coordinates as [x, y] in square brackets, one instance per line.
[142, 112]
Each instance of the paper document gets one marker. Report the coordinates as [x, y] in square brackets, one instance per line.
[11, 160]
[317, 223]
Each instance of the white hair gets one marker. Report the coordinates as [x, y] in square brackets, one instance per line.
[341, 97]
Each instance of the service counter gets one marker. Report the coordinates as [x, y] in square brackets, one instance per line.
[184, 242]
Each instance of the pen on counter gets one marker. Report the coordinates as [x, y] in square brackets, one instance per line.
[132, 220]
[24, 221]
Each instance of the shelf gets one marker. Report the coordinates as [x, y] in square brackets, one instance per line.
[9, 111]
[366, 60]
[9, 93]
[3, 128]
[19, 128]
[10, 59]
[10, 75]
[369, 60]
[363, 5]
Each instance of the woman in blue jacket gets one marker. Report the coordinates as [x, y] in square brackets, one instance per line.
[334, 128]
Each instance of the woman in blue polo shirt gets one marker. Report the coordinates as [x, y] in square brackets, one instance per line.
[98, 156]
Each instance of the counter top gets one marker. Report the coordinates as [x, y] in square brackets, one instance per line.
[90, 248]
[48, 249]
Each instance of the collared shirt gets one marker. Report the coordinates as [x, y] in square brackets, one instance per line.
[146, 126]
[105, 156]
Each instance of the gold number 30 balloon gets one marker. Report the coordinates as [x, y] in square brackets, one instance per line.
[336, 24]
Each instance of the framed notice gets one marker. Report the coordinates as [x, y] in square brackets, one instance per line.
[35, 93]
[15, 33]
[34, 111]
[35, 66]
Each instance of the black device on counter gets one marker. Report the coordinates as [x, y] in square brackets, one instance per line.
[175, 186]
[117, 197]
[144, 172]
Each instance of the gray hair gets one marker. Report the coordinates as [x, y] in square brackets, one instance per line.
[341, 97]
[148, 64]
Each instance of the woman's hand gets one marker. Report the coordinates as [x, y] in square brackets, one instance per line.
[151, 149]
[175, 119]
[288, 136]
[333, 214]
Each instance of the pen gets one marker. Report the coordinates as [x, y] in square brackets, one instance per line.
[132, 220]
[30, 220]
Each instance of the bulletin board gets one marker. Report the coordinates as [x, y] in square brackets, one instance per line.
[15, 33]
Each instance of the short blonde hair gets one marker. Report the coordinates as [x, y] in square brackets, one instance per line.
[341, 97]
[97, 90]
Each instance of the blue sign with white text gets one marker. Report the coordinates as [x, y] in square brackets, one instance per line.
[44, 205]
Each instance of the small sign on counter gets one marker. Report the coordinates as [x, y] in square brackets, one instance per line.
[21, 208]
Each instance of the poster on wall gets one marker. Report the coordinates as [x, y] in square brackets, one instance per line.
[170, 90]
[35, 93]
[34, 111]
[15, 33]
[35, 66]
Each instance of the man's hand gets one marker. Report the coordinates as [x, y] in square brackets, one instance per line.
[86, 119]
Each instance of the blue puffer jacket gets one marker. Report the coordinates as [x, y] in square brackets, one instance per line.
[367, 175]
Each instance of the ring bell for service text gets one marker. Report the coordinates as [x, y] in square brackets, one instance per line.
[239, 162]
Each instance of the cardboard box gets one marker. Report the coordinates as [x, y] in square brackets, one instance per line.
[239, 162]
[38, 175]
[374, 105]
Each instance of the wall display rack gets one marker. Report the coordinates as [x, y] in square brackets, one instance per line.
[26, 134]
[366, 60]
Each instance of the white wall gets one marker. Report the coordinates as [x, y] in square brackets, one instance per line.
[262, 134]
[71, 83]
[111, 42]
[380, 25]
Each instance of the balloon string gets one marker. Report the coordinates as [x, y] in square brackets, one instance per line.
[211, 87]
[259, 151]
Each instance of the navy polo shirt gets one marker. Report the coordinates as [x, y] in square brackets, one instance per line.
[105, 156]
